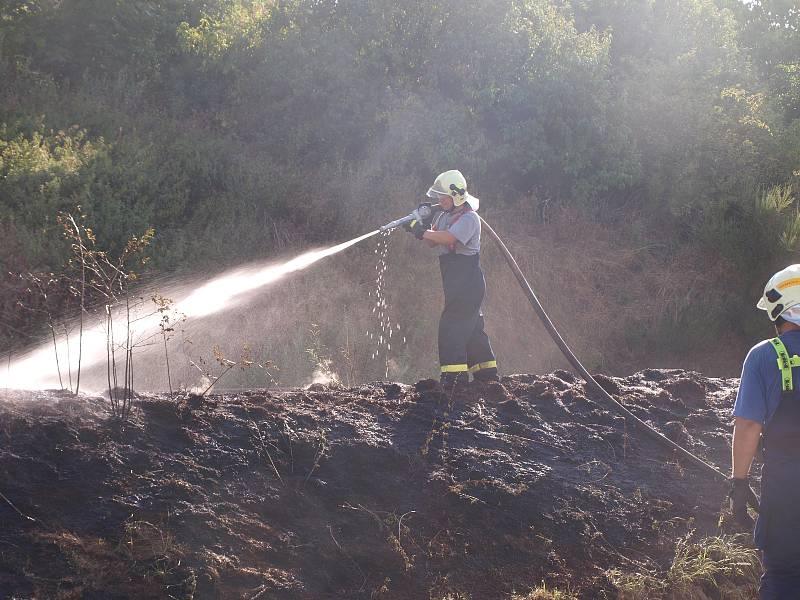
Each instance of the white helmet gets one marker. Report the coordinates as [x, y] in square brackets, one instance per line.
[453, 184]
[781, 292]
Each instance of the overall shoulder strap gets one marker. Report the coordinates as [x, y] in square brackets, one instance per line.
[785, 364]
[468, 208]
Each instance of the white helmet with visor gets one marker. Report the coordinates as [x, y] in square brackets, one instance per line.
[452, 183]
[781, 293]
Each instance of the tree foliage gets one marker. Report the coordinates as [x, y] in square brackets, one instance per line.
[271, 122]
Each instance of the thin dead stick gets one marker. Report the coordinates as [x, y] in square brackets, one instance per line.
[263, 445]
[213, 383]
[69, 360]
[320, 453]
[129, 387]
[55, 349]
[109, 354]
[113, 362]
[108, 363]
[400, 523]
[272, 462]
[345, 552]
[83, 301]
[126, 394]
[166, 356]
[127, 360]
[18, 511]
[258, 592]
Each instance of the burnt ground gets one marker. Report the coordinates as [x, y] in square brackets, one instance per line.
[381, 491]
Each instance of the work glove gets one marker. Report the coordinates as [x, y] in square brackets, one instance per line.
[416, 227]
[433, 208]
[741, 496]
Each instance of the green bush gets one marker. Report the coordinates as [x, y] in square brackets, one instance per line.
[241, 129]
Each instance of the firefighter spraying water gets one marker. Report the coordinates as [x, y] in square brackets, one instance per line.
[453, 227]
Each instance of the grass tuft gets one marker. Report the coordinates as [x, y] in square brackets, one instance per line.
[542, 592]
[709, 568]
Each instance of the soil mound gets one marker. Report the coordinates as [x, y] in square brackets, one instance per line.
[380, 491]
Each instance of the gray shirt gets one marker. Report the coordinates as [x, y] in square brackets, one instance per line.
[466, 229]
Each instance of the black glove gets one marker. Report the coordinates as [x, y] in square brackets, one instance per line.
[434, 208]
[740, 496]
[416, 227]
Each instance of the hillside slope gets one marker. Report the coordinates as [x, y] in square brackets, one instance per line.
[379, 491]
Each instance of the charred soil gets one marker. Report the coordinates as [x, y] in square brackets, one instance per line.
[379, 491]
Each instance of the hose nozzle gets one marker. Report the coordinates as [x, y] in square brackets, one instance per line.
[422, 212]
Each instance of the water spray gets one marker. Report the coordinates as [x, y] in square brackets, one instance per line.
[34, 371]
[382, 338]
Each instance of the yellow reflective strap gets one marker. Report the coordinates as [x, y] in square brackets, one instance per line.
[785, 364]
[454, 368]
[489, 364]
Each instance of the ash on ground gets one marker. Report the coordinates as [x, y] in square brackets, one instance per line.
[381, 491]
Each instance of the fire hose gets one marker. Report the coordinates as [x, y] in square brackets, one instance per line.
[573, 360]
[424, 211]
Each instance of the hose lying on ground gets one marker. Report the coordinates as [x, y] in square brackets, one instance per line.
[537, 306]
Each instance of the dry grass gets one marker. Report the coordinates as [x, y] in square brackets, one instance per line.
[706, 569]
[544, 593]
[145, 564]
[607, 292]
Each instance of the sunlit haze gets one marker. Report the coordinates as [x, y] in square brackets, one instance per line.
[37, 369]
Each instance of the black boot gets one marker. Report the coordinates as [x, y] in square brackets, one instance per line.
[485, 375]
[449, 381]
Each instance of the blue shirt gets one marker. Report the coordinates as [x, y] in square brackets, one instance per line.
[760, 388]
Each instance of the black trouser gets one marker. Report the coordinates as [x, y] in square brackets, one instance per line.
[778, 527]
[463, 344]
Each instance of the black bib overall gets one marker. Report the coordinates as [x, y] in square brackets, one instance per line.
[463, 344]
[777, 530]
